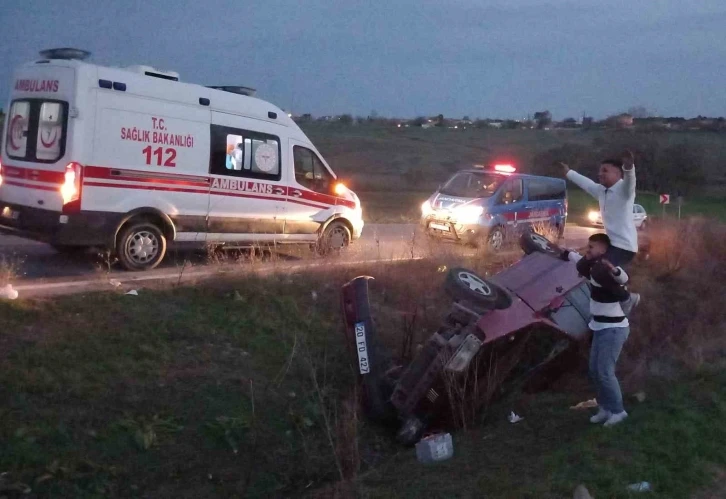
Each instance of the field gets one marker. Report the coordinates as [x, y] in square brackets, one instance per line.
[394, 170]
[244, 388]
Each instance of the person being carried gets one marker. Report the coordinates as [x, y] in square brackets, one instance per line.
[616, 195]
[609, 325]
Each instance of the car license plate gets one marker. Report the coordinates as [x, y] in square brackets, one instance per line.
[360, 343]
[436, 226]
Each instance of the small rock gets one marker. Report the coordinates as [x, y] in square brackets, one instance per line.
[640, 397]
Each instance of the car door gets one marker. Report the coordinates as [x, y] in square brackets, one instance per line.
[511, 206]
[545, 204]
[309, 194]
[247, 198]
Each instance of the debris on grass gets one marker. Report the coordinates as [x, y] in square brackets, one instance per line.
[639, 487]
[514, 418]
[133, 292]
[587, 404]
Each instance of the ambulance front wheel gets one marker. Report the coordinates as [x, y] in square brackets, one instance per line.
[335, 237]
[140, 246]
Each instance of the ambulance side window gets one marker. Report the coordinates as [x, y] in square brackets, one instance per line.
[310, 172]
[243, 153]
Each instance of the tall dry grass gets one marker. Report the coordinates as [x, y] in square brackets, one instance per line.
[681, 320]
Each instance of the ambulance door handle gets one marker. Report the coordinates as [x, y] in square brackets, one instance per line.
[116, 173]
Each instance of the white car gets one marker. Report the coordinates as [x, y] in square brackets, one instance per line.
[639, 217]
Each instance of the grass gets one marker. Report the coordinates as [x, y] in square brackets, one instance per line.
[671, 441]
[244, 388]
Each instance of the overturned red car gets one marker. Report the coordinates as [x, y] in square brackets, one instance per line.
[521, 327]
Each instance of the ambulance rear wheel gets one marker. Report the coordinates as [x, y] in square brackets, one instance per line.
[140, 246]
[335, 237]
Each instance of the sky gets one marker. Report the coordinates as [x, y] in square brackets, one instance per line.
[405, 58]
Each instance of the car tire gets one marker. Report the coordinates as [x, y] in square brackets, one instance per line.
[495, 239]
[141, 245]
[335, 237]
[463, 284]
[532, 242]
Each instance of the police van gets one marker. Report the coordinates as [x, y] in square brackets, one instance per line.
[486, 205]
[130, 159]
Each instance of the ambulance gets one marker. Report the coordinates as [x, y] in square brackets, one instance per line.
[131, 159]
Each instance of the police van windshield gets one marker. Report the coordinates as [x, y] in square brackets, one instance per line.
[36, 130]
[472, 185]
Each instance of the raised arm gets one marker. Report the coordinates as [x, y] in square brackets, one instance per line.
[629, 175]
[582, 182]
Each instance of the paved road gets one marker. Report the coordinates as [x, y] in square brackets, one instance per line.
[36, 261]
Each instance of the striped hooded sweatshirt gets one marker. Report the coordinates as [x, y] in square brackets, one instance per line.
[607, 290]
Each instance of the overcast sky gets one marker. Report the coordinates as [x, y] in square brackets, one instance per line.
[486, 58]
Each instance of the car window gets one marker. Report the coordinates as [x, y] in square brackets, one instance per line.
[310, 172]
[512, 192]
[472, 185]
[544, 190]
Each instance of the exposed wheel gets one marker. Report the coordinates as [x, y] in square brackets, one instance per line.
[140, 246]
[495, 240]
[463, 284]
[531, 242]
[335, 237]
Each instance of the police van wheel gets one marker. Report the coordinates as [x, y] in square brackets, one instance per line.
[335, 237]
[140, 246]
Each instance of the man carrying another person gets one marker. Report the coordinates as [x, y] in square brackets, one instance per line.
[616, 195]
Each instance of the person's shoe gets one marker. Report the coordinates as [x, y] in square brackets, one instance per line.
[616, 418]
[601, 416]
[630, 304]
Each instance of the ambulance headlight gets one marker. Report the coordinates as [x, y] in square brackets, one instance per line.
[593, 216]
[468, 214]
[426, 209]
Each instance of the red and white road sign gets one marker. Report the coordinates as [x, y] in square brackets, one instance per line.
[665, 199]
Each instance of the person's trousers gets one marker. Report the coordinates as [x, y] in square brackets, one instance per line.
[618, 256]
[606, 347]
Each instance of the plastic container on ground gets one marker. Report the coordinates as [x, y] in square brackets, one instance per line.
[435, 448]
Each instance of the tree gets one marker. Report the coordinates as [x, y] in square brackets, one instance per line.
[346, 119]
[419, 121]
[639, 112]
[569, 123]
[543, 119]
[680, 168]
[440, 120]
